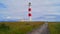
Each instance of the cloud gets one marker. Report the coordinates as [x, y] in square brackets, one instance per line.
[40, 8]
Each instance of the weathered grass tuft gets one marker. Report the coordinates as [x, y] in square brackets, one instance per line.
[18, 27]
[54, 28]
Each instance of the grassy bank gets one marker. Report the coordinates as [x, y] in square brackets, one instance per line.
[54, 28]
[18, 27]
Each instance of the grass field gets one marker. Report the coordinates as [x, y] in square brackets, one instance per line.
[18, 27]
[54, 28]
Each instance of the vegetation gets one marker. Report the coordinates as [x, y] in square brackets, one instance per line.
[54, 28]
[18, 27]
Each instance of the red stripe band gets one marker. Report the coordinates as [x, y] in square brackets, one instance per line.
[29, 9]
[29, 14]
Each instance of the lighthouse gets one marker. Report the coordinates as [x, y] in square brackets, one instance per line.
[29, 11]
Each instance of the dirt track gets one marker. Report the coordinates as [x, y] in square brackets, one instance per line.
[42, 30]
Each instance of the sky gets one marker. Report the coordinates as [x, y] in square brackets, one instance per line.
[42, 10]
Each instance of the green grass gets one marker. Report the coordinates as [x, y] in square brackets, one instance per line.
[18, 27]
[54, 28]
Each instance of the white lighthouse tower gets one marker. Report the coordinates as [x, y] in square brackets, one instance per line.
[29, 11]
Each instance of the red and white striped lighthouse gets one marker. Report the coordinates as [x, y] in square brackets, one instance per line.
[29, 11]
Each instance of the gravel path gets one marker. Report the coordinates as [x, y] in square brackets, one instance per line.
[42, 30]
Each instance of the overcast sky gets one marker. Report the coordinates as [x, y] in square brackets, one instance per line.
[42, 10]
